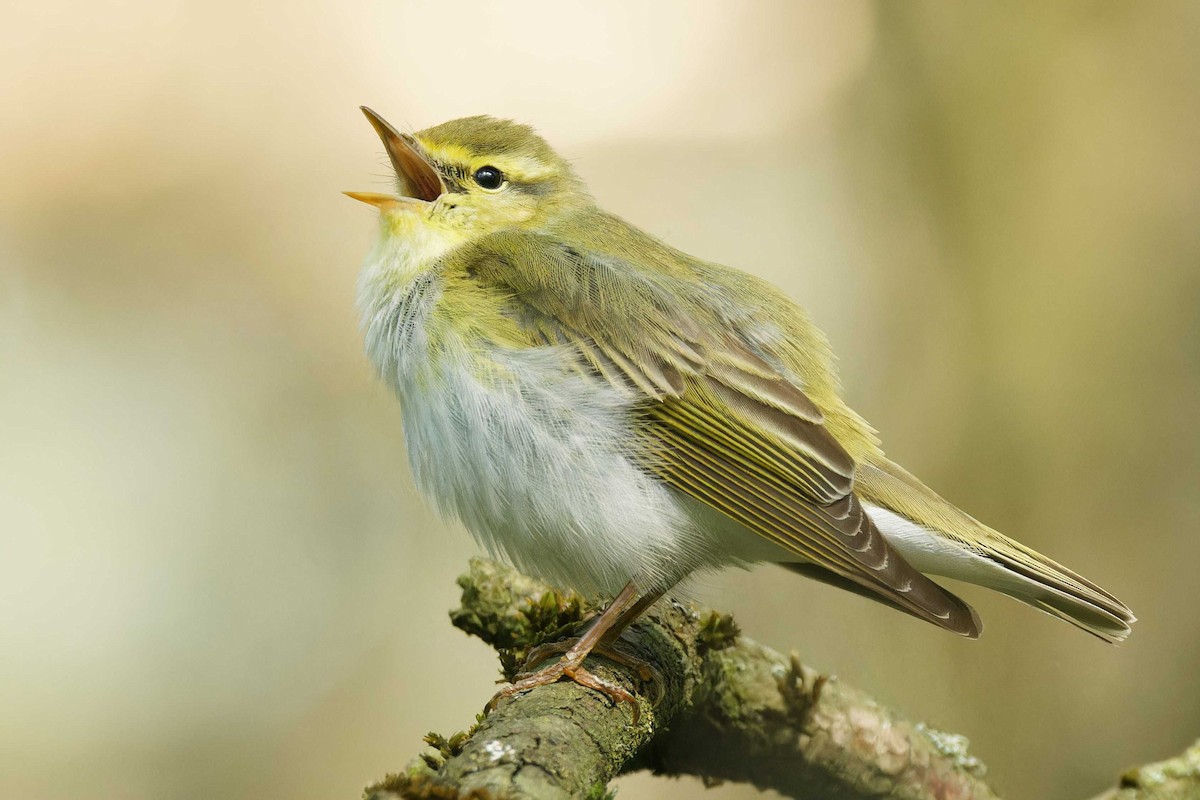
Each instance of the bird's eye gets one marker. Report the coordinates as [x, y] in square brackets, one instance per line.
[489, 178]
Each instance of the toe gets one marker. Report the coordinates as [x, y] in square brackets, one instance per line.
[612, 691]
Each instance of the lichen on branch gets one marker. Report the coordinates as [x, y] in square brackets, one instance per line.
[728, 709]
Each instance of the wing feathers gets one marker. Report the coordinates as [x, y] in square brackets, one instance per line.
[717, 416]
[772, 391]
[835, 464]
[839, 537]
[1043, 582]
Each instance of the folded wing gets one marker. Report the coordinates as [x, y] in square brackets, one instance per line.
[716, 418]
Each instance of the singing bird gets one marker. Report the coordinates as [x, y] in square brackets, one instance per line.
[612, 414]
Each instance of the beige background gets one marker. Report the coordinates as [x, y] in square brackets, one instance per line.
[216, 579]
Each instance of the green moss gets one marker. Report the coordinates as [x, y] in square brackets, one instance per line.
[420, 784]
[542, 614]
[1174, 779]
[448, 747]
[600, 791]
[717, 632]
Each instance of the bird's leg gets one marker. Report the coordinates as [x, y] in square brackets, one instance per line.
[630, 615]
[606, 647]
[598, 638]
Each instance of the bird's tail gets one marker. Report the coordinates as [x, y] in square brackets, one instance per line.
[938, 538]
[1051, 587]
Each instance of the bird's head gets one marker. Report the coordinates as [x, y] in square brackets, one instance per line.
[471, 177]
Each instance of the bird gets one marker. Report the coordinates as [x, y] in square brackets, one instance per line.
[612, 415]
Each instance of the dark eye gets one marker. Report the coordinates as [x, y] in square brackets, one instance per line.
[489, 177]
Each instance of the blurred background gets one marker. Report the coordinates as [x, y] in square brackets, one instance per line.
[216, 579]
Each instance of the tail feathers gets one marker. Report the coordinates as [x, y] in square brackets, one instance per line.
[939, 539]
[1085, 617]
[1060, 592]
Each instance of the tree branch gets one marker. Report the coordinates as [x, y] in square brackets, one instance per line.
[1174, 779]
[730, 709]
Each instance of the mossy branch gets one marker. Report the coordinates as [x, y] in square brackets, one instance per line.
[730, 710]
[1174, 779]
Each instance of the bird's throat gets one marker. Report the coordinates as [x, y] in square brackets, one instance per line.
[409, 246]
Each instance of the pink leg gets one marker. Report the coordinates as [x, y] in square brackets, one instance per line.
[605, 630]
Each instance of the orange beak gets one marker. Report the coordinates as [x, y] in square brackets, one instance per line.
[417, 179]
[381, 201]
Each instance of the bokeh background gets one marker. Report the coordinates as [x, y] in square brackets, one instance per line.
[216, 579]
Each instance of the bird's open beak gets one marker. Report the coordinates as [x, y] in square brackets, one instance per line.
[417, 178]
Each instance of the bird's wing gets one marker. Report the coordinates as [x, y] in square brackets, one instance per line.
[1034, 578]
[716, 419]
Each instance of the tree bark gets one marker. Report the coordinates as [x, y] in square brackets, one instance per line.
[1174, 779]
[728, 709]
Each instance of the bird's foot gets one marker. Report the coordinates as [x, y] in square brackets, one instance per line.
[571, 666]
[644, 669]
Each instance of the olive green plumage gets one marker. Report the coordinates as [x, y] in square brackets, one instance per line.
[733, 396]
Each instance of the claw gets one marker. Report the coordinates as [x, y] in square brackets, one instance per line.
[577, 673]
[572, 667]
[608, 688]
[545, 651]
[605, 629]
[542, 677]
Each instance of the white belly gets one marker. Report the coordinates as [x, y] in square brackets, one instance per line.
[534, 458]
[535, 464]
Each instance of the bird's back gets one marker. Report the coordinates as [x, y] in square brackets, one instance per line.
[931, 533]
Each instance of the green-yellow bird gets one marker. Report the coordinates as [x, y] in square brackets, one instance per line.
[612, 414]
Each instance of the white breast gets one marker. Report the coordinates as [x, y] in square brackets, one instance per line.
[533, 457]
